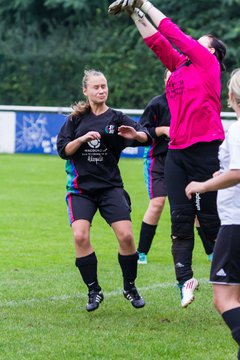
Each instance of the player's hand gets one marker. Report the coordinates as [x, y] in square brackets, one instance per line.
[124, 5]
[128, 132]
[91, 135]
[193, 188]
[132, 3]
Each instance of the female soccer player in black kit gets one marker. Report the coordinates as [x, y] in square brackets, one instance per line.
[91, 140]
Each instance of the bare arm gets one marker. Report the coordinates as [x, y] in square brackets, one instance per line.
[168, 55]
[74, 145]
[156, 15]
[148, 8]
[222, 181]
[188, 46]
[132, 8]
[154, 40]
[143, 25]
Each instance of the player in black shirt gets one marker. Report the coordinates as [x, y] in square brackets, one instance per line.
[156, 118]
[91, 140]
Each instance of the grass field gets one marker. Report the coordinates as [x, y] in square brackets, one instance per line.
[42, 298]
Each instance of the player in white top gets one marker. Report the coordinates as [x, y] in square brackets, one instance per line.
[225, 270]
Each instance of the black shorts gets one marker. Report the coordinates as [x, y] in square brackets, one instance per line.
[154, 176]
[114, 204]
[195, 163]
[225, 267]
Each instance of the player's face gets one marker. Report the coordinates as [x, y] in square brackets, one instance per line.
[96, 90]
[205, 41]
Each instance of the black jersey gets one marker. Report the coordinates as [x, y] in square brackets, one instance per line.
[156, 114]
[94, 166]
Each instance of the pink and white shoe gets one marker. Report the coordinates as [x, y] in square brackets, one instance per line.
[187, 291]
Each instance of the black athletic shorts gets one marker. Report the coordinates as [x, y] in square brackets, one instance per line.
[114, 204]
[225, 267]
[195, 163]
[154, 176]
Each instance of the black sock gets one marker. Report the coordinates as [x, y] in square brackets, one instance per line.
[232, 319]
[207, 244]
[87, 266]
[147, 233]
[128, 265]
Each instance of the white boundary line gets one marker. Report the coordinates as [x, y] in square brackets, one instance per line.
[33, 301]
[66, 110]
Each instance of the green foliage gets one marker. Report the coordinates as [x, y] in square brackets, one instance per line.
[45, 45]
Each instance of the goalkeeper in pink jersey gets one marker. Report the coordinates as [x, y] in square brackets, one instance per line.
[196, 131]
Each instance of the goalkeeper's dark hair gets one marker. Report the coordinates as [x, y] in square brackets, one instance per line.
[220, 49]
[82, 107]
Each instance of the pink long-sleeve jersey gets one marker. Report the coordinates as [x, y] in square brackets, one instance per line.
[193, 89]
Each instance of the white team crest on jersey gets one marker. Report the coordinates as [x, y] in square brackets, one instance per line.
[110, 129]
[94, 144]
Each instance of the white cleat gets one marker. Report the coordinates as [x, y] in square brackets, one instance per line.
[187, 291]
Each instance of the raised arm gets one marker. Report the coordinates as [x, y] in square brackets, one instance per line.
[169, 56]
[144, 26]
[170, 31]
[162, 48]
[185, 43]
[155, 14]
[190, 47]
[129, 5]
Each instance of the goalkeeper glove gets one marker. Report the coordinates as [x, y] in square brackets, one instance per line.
[115, 7]
[144, 5]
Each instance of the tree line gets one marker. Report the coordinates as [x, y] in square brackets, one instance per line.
[45, 45]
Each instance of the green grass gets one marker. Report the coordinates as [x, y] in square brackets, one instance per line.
[42, 298]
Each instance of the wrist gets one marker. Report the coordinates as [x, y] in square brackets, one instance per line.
[205, 186]
[146, 6]
[137, 15]
[79, 141]
[141, 137]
